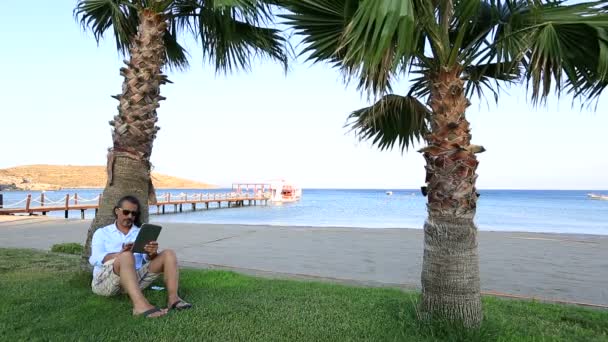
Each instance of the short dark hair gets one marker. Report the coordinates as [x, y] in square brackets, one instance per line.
[131, 199]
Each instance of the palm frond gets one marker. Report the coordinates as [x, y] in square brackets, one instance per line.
[322, 24]
[571, 57]
[177, 56]
[546, 44]
[232, 32]
[380, 36]
[561, 47]
[473, 20]
[101, 15]
[367, 40]
[489, 77]
[430, 30]
[393, 119]
[183, 15]
[230, 44]
[253, 11]
[494, 34]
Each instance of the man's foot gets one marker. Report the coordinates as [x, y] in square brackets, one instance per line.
[180, 305]
[151, 313]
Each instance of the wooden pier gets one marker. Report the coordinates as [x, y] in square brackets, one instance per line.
[43, 205]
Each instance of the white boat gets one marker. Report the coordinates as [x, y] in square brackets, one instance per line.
[389, 193]
[598, 197]
[284, 192]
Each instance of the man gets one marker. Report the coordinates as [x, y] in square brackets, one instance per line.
[117, 269]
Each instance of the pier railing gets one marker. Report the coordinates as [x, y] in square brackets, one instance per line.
[43, 204]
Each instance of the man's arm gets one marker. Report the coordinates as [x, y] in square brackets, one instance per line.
[97, 249]
[99, 254]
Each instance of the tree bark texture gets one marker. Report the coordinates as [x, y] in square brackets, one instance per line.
[134, 127]
[450, 269]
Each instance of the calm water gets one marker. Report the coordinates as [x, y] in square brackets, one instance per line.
[506, 210]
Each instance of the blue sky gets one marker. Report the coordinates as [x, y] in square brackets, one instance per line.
[55, 96]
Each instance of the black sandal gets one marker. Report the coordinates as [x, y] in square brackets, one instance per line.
[180, 305]
[147, 314]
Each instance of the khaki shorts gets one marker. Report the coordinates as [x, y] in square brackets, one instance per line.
[107, 283]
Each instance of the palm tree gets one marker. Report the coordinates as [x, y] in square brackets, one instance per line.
[453, 49]
[231, 33]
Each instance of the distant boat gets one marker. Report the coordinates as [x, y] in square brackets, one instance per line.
[284, 192]
[389, 193]
[598, 197]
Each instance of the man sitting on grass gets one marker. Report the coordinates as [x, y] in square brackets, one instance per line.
[117, 269]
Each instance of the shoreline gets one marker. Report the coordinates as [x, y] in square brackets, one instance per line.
[570, 213]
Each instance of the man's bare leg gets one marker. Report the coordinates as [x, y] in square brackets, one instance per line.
[124, 266]
[166, 262]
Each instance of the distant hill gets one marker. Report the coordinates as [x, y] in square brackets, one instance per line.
[54, 177]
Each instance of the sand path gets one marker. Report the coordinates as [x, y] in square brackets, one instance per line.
[559, 267]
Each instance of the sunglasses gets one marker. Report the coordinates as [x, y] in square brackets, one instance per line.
[128, 212]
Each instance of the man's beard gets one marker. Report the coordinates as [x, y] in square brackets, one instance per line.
[127, 223]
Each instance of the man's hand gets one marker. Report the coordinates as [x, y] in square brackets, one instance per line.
[126, 247]
[151, 249]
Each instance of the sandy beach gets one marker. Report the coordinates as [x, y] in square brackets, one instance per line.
[554, 267]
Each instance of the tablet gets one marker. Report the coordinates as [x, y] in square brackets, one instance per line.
[148, 232]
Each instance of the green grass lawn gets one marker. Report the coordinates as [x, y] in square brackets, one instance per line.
[43, 297]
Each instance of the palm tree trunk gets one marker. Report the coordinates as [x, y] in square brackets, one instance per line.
[450, 268]
[134, 126]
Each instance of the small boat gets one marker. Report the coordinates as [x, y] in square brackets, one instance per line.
[598, 197]
[389, 193]
[284, 192]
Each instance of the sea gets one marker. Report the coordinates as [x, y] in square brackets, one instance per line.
[553, 211]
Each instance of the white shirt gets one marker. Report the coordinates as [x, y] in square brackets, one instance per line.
[108, 240]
